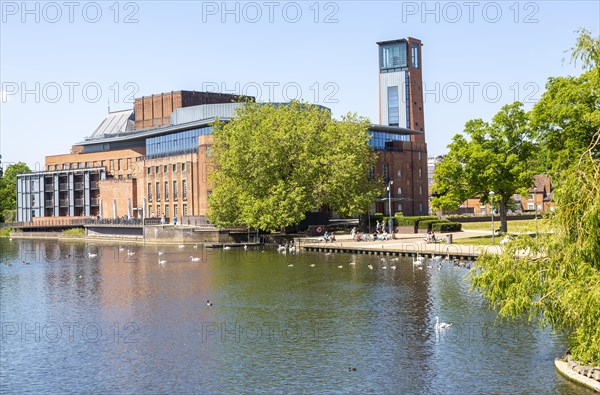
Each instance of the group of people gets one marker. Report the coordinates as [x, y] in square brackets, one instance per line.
[380, 234]
[430, 237]
[328, 237]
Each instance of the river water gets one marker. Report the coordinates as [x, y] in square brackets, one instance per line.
[119, 322]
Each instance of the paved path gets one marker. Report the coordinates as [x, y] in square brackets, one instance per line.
[404, 244]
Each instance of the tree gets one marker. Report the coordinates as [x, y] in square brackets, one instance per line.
[8, 188]
[274, 163]
[554, 278]
[495, 157]
[568, 113]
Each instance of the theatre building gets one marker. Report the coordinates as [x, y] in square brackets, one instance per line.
[154, 160]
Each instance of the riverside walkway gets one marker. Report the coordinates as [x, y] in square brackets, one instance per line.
[403, 245]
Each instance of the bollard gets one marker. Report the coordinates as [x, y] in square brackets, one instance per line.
[449, 238]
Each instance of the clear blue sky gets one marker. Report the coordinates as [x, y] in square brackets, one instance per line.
[61, 63]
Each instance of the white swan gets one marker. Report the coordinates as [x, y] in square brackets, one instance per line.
[417, 261]
[227, 248]
[195, 259]
[245, 247]
[131, 253]
[370, 267]
[312, 265]
[181, 245]
[340, 266]
[161, 261]
[92, 255]
[441, 325]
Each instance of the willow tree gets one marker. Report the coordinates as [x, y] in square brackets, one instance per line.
[275, 163]
[555, 278]
[486, 157]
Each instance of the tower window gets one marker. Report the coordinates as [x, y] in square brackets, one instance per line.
[415, 55]
[393, 111]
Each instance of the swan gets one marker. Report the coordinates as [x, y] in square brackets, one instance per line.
[160, 252]
[245, 247]
[393, 267]
[92, 255]
[312, 265]
[352, 263]
[441, 325]
[161, 261]
[181, 245]
[417, 262]
[131, 253]
[227, 248]
[340, 266]
[291, 265]
[370, 267]
[195, 259]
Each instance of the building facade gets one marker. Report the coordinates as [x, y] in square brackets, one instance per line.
[403, 153]
[154, 160]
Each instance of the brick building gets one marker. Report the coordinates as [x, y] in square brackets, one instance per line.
[153, 160]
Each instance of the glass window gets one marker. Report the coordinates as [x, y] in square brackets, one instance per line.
[184, 209]
[399, 190]
[399, 173]
[166, 210]
[415, 55]
[392, 56]
[165, 169]
[158, 191]
[149, 191]
[166, 190]
[158, 210]
[183, 167]
[157, 169]
[174, 167]
[175, 210]
[184, 189]
[149, 170]
[399, 206]
[175, 190]
[386, 172]
[393, 111]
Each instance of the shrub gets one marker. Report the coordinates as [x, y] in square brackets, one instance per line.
[426, 224]
[73, 232]
[446, 226]
[414, 221]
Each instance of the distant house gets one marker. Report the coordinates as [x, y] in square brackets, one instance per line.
[539, 198]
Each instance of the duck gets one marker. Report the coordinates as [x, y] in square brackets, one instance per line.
[209, 303]
[351, 369]
[441, 325]
[195, 259]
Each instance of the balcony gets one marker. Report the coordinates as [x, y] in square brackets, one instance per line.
[94, 185]
[79, 185]
[49, 203]
[95, 201]
[63, 202]
[63, 186]
[78, 202]
[48, 187]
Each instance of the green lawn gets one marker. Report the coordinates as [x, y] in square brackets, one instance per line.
[516, 226]
[479, 241]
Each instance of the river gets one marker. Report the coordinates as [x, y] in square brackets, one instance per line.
[89, 317]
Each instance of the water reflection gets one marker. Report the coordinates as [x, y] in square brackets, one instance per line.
[122, 322]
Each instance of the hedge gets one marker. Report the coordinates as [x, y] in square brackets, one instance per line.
[446, 227]
[413, 221]
[427, 224]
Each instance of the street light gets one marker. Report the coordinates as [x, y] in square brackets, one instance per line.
[391, 221]
[535, 207]
[492, 210]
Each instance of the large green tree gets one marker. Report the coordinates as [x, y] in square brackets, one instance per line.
[8, 189]
[487, 157]
[274, 163]
[568, 113]
[555, 277]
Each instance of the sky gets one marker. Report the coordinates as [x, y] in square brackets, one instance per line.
[63, 64]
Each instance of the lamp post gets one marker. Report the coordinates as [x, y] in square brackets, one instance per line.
[535, 207]
[492, 211]
[391, 221]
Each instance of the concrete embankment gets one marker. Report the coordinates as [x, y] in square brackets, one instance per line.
[587, 376]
